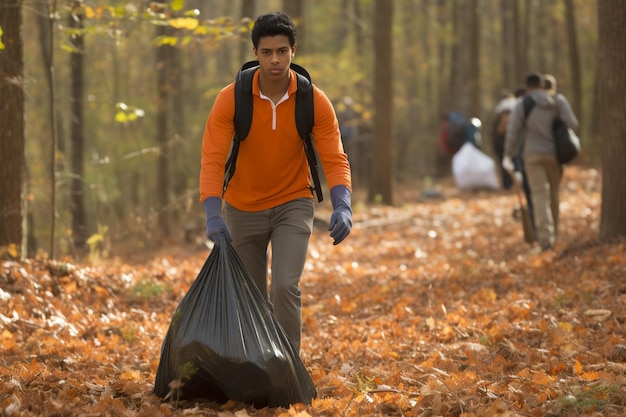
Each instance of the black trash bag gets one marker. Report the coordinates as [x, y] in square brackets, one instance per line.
[224, 343]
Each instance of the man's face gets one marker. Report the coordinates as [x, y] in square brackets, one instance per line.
[274, 55]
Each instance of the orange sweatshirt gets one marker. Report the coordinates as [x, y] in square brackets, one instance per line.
[271, 167]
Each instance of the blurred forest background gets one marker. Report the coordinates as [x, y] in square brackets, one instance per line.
[116, 95]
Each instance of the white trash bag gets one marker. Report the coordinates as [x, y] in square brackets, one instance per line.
[472, 168]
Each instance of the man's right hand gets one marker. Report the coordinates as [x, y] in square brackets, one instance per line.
[214, 221]
[507, 164]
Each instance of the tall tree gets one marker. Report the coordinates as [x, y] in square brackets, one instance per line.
[444, 85]
[12, 157]
[179, 131]
[429, 79]
[225, 65]
[612, 116]
[48, 14]
[342, 28]
[358, 26]
[295, 10]
[383, 171]
[163, 58]
[245, 48]
[456, 57]
[77, 196]
[508, 62]
[474, 59]
[518, 42]
[406, 132]
[574, 57]
[526, 33]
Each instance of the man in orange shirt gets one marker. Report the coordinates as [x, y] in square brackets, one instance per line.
[270, 198]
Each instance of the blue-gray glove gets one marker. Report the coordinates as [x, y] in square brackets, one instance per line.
[341, 219]
[215, 223]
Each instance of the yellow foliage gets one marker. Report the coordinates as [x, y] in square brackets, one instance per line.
[188, 23]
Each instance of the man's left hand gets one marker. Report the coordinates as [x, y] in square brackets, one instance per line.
[341, 219]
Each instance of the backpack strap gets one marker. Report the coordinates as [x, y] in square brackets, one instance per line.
[304, 115]
[243, 116]
[305, 118]
[243, 99]
[528, 104]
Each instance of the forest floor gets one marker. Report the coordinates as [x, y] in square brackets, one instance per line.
[434, 307]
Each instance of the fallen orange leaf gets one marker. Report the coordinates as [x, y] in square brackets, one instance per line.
[577, 368]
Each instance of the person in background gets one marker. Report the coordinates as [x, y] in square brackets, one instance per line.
[519, 172]
[269, 200]
[541, 166]
[503, 111]
[549, 84]
[457, 130]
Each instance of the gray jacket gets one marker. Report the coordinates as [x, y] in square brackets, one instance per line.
[537, 128]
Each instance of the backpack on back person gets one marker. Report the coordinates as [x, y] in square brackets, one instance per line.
[566, 143]
[456, 129]
[304, 119]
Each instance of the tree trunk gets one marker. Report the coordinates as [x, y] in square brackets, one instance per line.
[442, 64]
[612, 116]
[405, 158]
[359, 31]
[456, 58]
[541, 30]
[508, 62]
[225, 65]
[12, 157]
[162, 67]
[383, 172]
[342, 28]
[574, 58]
[245, 46]
[526, 25]
[518, 43]
[48, 58]
[474, 60]
[295, 10]
[429, 108]
[77, 196]
[179, 110]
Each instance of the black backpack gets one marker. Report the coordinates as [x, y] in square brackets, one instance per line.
[304, 119]
[567, 144]
[453, 133]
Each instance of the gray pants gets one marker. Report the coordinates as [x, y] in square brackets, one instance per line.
[288, 227]
[544, 177]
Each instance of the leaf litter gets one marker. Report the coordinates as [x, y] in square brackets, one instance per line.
[434, 307]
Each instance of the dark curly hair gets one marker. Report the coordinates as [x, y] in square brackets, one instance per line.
[534, 80]
[272, 24]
